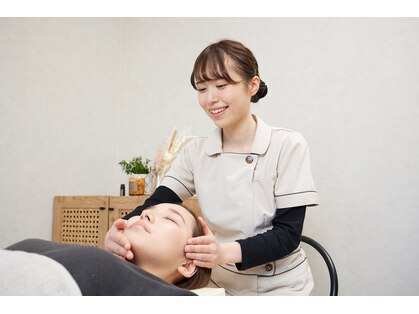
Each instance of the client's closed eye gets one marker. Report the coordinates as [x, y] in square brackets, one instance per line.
[171, 219]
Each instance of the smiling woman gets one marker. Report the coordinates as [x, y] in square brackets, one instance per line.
[226, 79]
[253, 182]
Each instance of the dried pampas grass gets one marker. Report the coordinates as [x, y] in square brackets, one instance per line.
[165, 157]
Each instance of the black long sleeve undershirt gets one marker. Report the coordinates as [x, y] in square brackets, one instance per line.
[260, 249]
[275, 243]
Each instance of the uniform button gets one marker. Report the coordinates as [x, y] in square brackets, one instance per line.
[268, 267]
[249, 159]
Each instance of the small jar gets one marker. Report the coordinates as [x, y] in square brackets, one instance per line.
[122, 190]
[136, 184]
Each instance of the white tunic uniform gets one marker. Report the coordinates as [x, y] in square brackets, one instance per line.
[239, 194]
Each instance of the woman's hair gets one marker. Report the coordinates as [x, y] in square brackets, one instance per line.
[202, 275]
[211, 65]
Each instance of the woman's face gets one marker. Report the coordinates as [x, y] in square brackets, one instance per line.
[225, 103]
[159, 235]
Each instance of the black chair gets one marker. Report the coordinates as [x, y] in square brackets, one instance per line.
[329, 262]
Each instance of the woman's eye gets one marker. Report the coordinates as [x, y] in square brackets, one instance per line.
[172, 220]
[221, 86]
[201, 90]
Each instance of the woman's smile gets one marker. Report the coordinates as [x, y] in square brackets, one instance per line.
[217, 112]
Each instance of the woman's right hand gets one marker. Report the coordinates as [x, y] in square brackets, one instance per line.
[116, 242]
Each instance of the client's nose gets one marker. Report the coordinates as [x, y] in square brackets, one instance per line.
[145, 215]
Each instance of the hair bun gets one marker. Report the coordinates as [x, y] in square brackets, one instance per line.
[263, 90]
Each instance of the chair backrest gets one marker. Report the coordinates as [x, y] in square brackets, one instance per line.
[329, 262]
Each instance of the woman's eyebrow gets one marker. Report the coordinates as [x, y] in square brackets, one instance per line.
[177, 213]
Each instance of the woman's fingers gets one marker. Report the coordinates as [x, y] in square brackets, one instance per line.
[196, 248]
[202, 250]
[202, 257]
[129, 255]
[204, 225]
[117, 249]
[208, 236]
[116, 242]
[120, 224]
[201, 240]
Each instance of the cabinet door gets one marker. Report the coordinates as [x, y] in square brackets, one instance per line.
[119, 206]
[80, 220]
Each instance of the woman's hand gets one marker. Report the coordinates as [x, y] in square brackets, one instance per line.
[116, 242]
[204, 250]
[207, 252]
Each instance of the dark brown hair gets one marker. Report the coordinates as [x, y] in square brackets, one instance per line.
[202, 275]
[211, 65]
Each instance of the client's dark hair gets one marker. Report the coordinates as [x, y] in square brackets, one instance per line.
[202, 275]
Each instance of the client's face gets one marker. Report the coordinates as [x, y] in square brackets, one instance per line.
[159, 235]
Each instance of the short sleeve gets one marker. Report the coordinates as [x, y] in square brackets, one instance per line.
[180, 178]
[294, 185]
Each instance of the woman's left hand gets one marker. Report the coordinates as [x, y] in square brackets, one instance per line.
[204, 250]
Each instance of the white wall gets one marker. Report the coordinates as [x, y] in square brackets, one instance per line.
[79, 95]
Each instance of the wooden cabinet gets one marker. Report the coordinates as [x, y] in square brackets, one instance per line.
[85, 220]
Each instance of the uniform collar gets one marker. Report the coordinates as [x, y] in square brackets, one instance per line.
[260, 144]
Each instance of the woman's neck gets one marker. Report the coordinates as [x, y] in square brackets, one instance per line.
[162, 273]
[239, 138]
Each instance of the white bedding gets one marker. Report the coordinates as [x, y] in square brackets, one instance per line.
[210, 292]
[25, 274]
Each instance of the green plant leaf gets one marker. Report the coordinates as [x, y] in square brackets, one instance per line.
[137, 165]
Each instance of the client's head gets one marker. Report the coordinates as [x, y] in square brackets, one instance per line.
[158, 238]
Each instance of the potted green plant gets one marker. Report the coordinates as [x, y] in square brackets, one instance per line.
[136, 168]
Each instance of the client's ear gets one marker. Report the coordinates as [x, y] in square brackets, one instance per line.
[187, 269]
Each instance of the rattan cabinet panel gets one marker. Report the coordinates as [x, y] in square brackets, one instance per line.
[80, 220]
